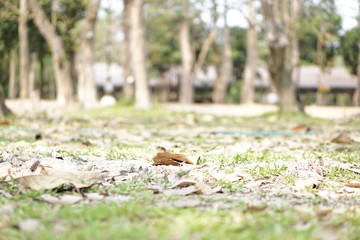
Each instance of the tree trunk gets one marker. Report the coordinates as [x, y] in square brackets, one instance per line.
[23, 49]
[31, 85]
[128, 89]
[226, 69]
[142, 92]
[186, 87]
[86, 88]
[64, 88]
[280, 67]
[41, 76]
[12, 75]
[356, 96]
[3, 109]
[247, 93]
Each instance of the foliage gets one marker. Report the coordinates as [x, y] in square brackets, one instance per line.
[238, 43]
[350, 49]
[320, 22]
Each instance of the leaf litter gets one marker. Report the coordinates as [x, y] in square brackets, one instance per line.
[102, 157]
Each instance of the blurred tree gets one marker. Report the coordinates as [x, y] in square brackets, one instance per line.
[248, 93]
[128, 89]
[61, 64]
[3, 108]
[8, 44]
[191, 61]
[187, 59]
[280, 18]
[226, 70]
[349, 48]
[24, 50]
[86, 88]
[137, 48]
[320, 26]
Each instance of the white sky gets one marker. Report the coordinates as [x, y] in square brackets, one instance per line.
[348, 9]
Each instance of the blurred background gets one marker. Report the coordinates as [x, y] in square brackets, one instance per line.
[287, 52]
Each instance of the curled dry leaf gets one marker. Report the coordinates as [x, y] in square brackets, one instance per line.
[167, 158]
[342, 139]
[310, 182]
[184, 183]
[38, 182]
[57, 178]
[353, 184]
[301, 128]
[205, 189]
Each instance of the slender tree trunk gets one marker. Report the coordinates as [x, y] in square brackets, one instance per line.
[247, 91]
[186, 87]
[64, 87]
[87, 94]
[226, 69]
[12, 75]
[41, 76]
[142, 91]
[24, 49]
[280, 68]
[356, 96]
[128, 89]
[3, 108]
[32, 76]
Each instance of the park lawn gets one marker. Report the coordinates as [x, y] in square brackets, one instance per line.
[274, 194]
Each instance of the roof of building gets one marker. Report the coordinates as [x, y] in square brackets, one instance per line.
[306, 77]
[311, 77]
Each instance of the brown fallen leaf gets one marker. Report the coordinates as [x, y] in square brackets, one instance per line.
[205, 189]
[353, 184]
[301, 128]
[167, 158]
[342, 139]
[184, 183]
[38, 182]
[87, 143]
[4, 123]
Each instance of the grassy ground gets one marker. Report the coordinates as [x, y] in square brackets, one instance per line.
[267, 200]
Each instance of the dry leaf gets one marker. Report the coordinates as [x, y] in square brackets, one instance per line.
[61, 199]
[353, 184]
[257, 184]
[38, 182]
[87, 143]
[184, 183]
[301, 128]
[205, 189]
[310, 182]
[342, 139]
[181, 192]
[4, 123]
[167, 158]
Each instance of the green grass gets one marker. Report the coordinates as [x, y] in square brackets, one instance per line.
[141, 219]
[237, 213]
